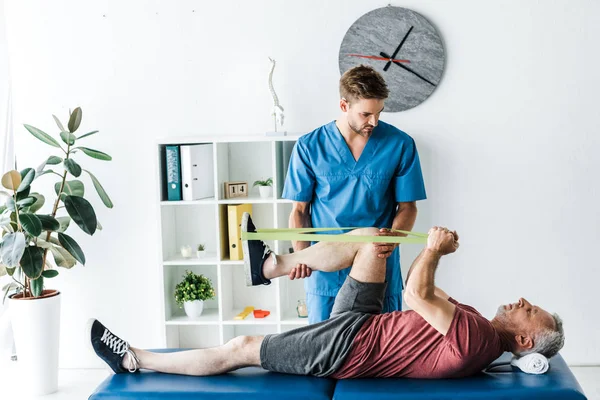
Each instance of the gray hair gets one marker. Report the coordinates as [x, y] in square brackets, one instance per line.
[548, 342]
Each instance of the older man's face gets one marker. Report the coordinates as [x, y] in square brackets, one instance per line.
[524, 318]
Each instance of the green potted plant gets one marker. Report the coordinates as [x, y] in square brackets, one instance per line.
[191, 293]
[264, 187]
[201, 250]
[34, 244]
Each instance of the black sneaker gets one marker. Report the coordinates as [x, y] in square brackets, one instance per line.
[109, 347]
[255, 254]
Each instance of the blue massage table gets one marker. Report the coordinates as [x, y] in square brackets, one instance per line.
[502, 382]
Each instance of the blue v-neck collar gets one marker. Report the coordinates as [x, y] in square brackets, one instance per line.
[345, 153]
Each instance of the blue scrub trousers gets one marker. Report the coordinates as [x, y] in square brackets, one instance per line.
[319, 307]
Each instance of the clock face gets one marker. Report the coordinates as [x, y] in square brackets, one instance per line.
[403, 47]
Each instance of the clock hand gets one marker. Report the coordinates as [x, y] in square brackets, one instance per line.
[377, 58]
[408, 69]
[387, 66]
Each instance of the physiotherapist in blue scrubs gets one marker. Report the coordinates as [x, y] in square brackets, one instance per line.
[356, 171]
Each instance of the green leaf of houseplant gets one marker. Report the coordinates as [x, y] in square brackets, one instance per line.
[43, 136]
[31, 262]
[10, 204]
[23, 194]
[64, 223]
[49, 223]
[50, 273]
[37, 286]
[75, 119]
[27, 176]
[62, 258]
[72, 247]
[11, 180]
[95, 153]
[68, 137]
[87, 134]
[72, 167]
[71, 188]
[82, 212]
[12, 248]
[53, 160]
[58, 123]
[31, 223]
[39, 202]
[26, 202]
[101, 192]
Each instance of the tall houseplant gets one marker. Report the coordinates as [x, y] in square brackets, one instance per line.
[34, 244]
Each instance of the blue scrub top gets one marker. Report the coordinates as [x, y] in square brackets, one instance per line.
[344, 192]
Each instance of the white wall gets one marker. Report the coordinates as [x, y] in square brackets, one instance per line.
[508, 141]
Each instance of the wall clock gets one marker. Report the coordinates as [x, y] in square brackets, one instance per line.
[401, 45]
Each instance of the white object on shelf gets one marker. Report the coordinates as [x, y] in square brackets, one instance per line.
[193, 309]
[197, 177]
[265, 191]
[200, 254]
[186, 251]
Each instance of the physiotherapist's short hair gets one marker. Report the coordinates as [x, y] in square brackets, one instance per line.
[363, 82]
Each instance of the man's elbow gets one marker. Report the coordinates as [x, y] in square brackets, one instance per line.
[414, 296]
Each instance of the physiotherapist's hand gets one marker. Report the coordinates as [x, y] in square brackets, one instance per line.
[300, 271]
[384, 250]
[442, 241]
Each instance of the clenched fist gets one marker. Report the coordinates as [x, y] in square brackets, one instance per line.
[442, 241]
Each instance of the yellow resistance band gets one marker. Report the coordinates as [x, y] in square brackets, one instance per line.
[306, 235]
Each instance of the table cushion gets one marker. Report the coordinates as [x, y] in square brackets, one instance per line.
[247, 383]
[503, 383]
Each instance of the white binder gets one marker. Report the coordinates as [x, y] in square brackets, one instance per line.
[197, 176]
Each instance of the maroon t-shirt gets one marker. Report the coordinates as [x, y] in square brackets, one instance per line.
[403, 344]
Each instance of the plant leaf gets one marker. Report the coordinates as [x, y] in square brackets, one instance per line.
[87, 134]
[95, 153]
[11, 180]
[72, 247]
[13, 245]
[27, 176]
[10, 204]
[53, 160]
[82, 212]
[37, 286]
[2, 270]
[50, 273]
[99, 227]
[39, 202]
[72, 167]
[49, 223]
[32, 224]
[26, 202]
[62, 258]
[43, 136]
[71, 188]
[101, 192]
[75, 119]
[31, 262]
[64, 223]
[68, 137]
[23, 194]
[58, 123]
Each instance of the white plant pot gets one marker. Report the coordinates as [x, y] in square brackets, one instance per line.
[36, 327]
[265, 191]
[201, 253]
[193, 309]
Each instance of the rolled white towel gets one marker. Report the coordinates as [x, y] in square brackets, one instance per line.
[534, 363]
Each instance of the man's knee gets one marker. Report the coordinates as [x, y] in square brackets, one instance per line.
[364, 231]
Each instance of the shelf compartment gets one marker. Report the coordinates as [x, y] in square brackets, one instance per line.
[172, 276]
[190, 226]
[262, 216]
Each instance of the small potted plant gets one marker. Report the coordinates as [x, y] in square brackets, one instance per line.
[201, 251]
[191, 293]
[264, 187]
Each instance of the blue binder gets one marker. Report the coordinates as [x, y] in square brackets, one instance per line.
[173, 172]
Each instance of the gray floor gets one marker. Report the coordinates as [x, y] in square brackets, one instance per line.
[78, 384]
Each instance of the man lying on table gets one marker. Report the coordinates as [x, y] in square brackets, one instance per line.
[440, 338]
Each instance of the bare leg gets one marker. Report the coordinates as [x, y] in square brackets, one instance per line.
[242, 351]
[333, 256]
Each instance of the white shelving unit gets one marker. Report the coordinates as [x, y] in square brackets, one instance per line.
[201, 221]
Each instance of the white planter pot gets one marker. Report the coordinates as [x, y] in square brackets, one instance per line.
[36, 327]
[265, 191]
[193, 309]
[201, 253]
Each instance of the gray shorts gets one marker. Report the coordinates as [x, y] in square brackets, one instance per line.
[320, 349]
